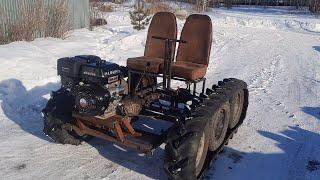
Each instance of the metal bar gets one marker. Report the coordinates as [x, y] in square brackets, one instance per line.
[145, 73]
[129, 81]
[118, 132]
[203, 85]
[143, 147]
[109, 122]
[161, 76]
[173, 78]
[170, 59]
[145, 142]
[165, 65]
[89, 131]
[126, 123]
[161, 116]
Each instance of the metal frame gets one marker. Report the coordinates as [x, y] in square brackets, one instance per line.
[118, 129]
[166, 74]
[188, 82]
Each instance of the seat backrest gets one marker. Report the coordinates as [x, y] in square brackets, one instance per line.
[197, 31]
[163, 24]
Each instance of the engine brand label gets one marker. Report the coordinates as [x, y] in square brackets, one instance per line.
[112, 72]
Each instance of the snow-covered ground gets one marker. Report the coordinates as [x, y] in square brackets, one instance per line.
[275, 51]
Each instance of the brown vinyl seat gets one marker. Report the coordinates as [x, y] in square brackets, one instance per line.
[188, 70]
[193, 57]
[163, 24]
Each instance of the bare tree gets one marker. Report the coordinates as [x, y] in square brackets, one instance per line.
[314, 6]
[202, 5]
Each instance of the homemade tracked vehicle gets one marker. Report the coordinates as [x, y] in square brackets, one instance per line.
[102, 99]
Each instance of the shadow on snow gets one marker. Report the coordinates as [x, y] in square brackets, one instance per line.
[23, 106]
[296, 157]
[313, 111]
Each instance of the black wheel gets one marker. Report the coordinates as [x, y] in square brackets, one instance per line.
[58, 113]
[185, 153]
[239, 100]
[201, 152]
[219, 126]
[190, 149]
[236, 106]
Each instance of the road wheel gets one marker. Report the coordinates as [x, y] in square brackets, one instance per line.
[201, 153]
[186, 152]
[236, 107]
[219, 126]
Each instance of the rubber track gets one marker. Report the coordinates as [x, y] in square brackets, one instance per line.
[218, 95]
[227, 85]
[56, 115]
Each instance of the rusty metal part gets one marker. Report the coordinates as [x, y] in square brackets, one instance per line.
[126, 123]
[145, 143]
[86, 130]
[96, 121]
[116, 129]
[107, 115]
[131, 106]
[119, 125]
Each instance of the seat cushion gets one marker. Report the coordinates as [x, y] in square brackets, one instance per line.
[163, 24]
[143, 63]
[188, 70]
[197, 32]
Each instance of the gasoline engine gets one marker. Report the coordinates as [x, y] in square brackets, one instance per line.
[94, 84]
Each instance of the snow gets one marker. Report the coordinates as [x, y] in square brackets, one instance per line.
[286, 19]
[276, 51]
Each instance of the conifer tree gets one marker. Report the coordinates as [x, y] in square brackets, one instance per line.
[140, 16]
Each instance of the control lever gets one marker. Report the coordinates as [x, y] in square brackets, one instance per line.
[141, 77]
[169, 39]
[168, 58]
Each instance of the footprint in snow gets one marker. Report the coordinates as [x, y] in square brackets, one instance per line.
[20, 166]
[292, 116]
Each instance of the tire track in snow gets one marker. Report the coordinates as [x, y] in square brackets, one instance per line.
[107, 45]
[262, 81]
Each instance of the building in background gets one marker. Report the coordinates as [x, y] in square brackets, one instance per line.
[41, 18]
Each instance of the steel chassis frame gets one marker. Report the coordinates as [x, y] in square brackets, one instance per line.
[118, 129]
[188, 82]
